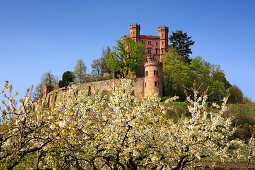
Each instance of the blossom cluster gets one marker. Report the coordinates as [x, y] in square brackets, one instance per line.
[113, 131]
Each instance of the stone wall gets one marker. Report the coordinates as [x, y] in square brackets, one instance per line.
[108, 86]
[93, 87]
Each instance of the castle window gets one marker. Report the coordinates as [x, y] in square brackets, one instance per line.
[156, 44]
[162, 43]
[149, 42]
[146, 73]
[156, 83]
[156, 72]
[149, 51]
[162, 51]
[156, 51]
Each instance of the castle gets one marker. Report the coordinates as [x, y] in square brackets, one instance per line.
[156, 46]
[151, 77]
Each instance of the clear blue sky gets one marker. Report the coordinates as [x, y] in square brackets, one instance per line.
[51, 35]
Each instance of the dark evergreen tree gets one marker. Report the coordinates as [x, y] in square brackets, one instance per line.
[181, 42]
[67, 77]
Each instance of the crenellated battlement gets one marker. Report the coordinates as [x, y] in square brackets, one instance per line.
[163, 28]
[151, 62]
[132, 26]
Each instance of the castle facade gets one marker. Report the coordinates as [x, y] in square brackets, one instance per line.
[156, 46]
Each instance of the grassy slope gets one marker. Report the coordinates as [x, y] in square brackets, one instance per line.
[243, 114]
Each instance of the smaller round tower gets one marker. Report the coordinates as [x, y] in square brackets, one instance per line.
[153, 82]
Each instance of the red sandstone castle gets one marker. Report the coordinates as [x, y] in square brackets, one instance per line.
[150, 81]
[156, 46]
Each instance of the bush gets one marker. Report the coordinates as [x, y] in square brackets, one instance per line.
[235, 95]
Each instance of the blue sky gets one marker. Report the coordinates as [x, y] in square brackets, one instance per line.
[51, 35]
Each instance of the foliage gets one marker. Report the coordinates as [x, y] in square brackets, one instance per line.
[99, 66]
[80, 72]
[67, 77]
[181, 42]
[235, 94]
[126, 57]
[210, 75]
[243, 118]
[118, 131]
[180, 76]
[177, 74]
[47, 79]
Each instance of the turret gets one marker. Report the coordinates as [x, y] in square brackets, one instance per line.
[153, 77]
[135, 31]
[163, 36]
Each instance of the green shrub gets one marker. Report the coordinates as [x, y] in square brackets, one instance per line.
[235, 95]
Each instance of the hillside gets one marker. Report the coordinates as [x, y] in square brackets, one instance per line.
[243, 116]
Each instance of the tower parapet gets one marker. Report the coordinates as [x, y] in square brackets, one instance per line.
[163, 32]
[135, 31]
[153, 77]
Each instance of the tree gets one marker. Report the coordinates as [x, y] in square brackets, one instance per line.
[126, 57]
[181, 42]
[209, 76]
[47, 79]
[99, 66]
[180, 76]
[118, 131]
[177, 74]
[235, 94]
[67, 77]
[80, 72]
[96, 67]
[103, 60]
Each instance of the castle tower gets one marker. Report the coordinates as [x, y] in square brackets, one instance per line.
[135, 31]
[163, 43]
[153, 82]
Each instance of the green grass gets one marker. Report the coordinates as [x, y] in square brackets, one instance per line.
[244, 108]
